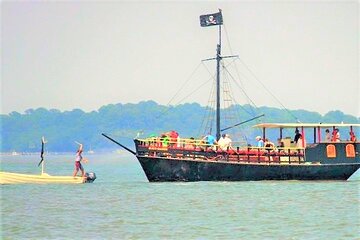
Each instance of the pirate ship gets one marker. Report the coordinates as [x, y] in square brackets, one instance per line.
[171, 158]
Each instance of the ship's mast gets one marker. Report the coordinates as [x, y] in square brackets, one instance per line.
[218, 59]
[213, 20]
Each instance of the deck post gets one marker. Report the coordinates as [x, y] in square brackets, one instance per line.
[303, 136]
[319, 134]
[264, 134]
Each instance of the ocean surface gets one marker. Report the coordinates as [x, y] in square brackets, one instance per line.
[122, 204]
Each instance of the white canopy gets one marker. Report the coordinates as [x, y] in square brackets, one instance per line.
[305, 125]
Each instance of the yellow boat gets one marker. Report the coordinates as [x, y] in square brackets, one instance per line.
[18, 178]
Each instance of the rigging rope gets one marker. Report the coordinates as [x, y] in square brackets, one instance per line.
[232, 53]
[191, 75]
[181, 100]
[185, 83]
[231, 113]
[252, 73]
[209, 114]
[242, 90]
[227, 97]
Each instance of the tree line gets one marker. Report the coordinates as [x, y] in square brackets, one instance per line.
[22, 132]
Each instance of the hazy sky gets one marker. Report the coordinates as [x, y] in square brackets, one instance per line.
[78, 54]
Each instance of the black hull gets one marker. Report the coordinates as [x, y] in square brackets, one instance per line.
[169, 170]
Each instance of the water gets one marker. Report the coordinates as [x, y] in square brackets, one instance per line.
[121, 204]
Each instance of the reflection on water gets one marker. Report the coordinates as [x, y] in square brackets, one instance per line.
[122, 204]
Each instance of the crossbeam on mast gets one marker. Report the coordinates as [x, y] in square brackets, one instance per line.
[230, 56]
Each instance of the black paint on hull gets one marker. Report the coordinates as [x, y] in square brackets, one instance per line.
[167, 170]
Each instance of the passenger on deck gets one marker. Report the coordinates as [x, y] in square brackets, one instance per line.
[190, 143]
[327, 136]
[301, 143]
[269, 145]
[260, 142]
[297, 135]
[165, 140]
[228, 141]
[352, 136]
[280, 146]
[338, 135]
[335, 135]
[173, 137]
[225, 142]
[221, 141]
[209, 140]
[280, 143]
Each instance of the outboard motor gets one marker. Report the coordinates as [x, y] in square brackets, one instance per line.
[90, 177]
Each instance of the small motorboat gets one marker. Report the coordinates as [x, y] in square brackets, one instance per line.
[44, 178]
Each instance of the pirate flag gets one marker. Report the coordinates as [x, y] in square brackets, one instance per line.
[211, 19]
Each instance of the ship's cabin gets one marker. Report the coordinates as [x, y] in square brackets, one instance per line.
[322, 143]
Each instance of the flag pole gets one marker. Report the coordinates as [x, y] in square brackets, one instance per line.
[42, 155]
[206, 21]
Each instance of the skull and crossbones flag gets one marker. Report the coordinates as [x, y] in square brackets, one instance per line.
[211, 19]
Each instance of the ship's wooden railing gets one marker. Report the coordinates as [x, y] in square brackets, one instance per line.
[197, 149]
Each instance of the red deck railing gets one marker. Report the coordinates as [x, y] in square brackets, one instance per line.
[197, 150]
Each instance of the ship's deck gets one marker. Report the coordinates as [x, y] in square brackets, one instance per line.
[204, 152]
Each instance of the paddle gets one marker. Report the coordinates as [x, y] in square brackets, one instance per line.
[42, 150]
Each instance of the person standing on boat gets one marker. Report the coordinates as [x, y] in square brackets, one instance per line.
[211, 142]
[221, 141]
[210, 139]
[327, 136]
[269, 145]
[301, 143]
[173, 137]
[260, 142]
[352, 136]
[336, 135]
[78, 159]
[297, 135]
[228, 142]
[280, 143]
[225, 142]
[165, 139]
